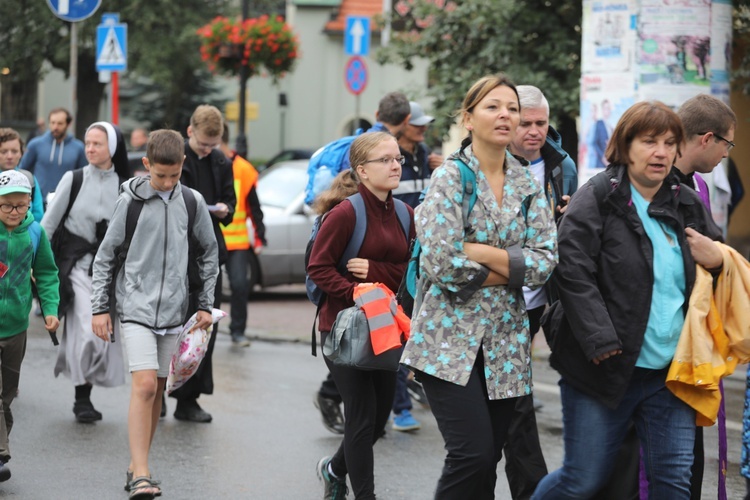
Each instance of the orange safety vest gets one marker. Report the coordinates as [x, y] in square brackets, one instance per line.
[389, 324]
[245, 177]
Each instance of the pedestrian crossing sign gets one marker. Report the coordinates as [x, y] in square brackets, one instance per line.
[112, 47]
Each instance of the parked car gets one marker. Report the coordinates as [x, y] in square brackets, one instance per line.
[286, 155]
[281, 191]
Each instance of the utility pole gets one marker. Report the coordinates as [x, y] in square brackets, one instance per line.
[241, 144]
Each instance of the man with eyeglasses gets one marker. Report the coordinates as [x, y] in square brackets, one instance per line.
[709, 131]
[208, 171]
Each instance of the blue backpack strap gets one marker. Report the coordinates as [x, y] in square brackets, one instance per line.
[360, 228]
[35, 233]
[469, 197]
[403, 216]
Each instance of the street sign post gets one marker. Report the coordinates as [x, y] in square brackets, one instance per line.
[112, 47]
[355, 76]
[74, 10]
[112, 55]
[357, 36]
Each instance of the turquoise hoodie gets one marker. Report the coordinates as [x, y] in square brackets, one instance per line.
[17, 252]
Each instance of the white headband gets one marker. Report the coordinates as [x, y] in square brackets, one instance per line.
[111, 136]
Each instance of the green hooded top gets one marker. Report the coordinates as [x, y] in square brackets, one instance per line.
[17, 252]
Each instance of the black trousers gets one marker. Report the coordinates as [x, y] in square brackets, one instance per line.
[474, 430]
[524, 461]
[367, 396]
[202, 382]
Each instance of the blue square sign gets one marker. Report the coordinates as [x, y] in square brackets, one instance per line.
[112, 47]
[357, 36]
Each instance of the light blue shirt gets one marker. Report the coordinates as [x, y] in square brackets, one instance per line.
[666, 317]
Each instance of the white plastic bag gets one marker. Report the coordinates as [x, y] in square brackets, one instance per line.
[189, 351]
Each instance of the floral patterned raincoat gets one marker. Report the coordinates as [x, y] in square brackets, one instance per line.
[454, 315]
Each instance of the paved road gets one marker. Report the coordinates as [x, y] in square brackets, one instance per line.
[266, 436]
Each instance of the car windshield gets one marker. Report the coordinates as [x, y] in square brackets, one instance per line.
[280, 185]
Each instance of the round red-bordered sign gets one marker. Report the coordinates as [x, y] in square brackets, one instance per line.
[355, 75]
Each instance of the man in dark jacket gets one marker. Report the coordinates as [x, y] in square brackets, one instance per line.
[207, 170]
[539, 143]
[419, 161]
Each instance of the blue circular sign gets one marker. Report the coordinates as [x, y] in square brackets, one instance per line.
[356, 75]
[73, 10]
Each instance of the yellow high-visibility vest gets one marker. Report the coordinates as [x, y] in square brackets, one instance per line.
[245, 177]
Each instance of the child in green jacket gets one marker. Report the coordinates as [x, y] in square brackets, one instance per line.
[24, 248]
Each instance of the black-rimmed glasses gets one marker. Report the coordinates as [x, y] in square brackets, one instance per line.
[730, 144]
[7, 209]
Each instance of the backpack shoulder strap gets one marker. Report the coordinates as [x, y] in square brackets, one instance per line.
[192, 207]
[360, 227]
[469, 182]
[75, 188]
[403, 216]
[131, 221]
[602, 186]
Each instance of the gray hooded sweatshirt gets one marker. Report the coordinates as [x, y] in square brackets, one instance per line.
[152, 286]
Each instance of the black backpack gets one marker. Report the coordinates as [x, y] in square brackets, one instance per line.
[131, 221]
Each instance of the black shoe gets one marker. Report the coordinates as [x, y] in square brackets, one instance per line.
[85, 412]
[163, 406]
[4, 472]
[191, 411]
[330, 413]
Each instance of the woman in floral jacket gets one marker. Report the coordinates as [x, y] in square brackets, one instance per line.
[470, 342]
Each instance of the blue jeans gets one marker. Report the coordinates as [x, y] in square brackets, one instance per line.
[593, 434]
[236, 266]
[401, 401]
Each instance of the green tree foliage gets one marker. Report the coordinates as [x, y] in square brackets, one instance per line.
[28, 32]
[162, 48]
[535, 42]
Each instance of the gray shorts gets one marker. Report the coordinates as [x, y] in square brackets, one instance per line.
[147, 350]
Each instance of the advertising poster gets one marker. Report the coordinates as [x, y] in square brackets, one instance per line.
[604, 98]
[608, 36]
[721, 41]
[674, 42]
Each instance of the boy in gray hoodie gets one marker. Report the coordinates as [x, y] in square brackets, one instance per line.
[151, 288]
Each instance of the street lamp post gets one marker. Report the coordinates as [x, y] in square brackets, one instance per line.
[241, 144]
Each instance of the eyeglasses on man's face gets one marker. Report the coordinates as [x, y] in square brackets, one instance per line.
[386, 160]
[730, 144]
[7, 209]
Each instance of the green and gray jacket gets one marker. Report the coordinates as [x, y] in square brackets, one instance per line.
[17, 252]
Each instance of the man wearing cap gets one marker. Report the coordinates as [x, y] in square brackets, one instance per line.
[24, 248]
[419, 161]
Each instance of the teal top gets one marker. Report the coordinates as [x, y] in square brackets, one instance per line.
[667, 316]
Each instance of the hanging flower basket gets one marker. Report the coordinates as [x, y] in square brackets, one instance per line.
[262, 44]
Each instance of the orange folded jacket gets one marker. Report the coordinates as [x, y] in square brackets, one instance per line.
[715, 336]
[389, 324]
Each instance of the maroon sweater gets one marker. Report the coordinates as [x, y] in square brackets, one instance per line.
[385, 247]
